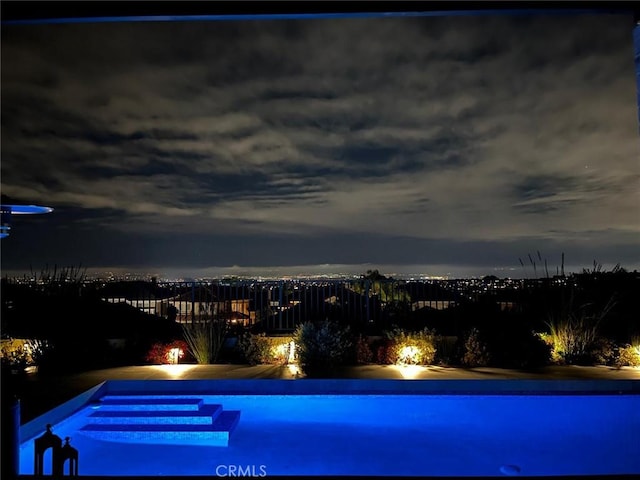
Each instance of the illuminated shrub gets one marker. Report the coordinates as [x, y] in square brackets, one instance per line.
[410, 348]
[321, 347]
[259, 349]
[572, 339]
[575, 342]
[574, 332]
[547, 338]
[14, 358]
[16, 354]
[628, 356]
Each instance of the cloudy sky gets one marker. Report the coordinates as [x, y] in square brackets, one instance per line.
[439, 145]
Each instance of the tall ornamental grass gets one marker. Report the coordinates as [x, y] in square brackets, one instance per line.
[205, 339]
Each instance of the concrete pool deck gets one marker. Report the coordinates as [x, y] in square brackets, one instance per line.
[40, 393]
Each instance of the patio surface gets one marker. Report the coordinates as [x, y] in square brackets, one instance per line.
[39, 393]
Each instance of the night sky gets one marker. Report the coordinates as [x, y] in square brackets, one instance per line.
[434, 145]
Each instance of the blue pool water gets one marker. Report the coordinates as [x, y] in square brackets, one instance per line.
[408, 435]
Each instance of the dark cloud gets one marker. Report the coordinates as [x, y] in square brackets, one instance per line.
[330, 138]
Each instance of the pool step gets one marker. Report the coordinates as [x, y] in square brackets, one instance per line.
[160, 420]
[126, 403]
[214, 434]
[205, 416]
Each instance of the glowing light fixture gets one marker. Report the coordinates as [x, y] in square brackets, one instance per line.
[409, 355]
[285, 351]
[281, 350]
[294, 370]
[292, 352]
[174, 355]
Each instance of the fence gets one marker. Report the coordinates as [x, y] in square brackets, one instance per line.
[282, 305]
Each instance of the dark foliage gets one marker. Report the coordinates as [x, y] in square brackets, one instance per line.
[321, 347]
[362, 351]
[476, 352]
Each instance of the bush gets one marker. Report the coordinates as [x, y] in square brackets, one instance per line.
[447, 350]
[628, 356]
[255, 348]
[160, 353]
[259, 349]
[384, 354]
[476, 352]
[38, 350]
[16, 359]
[574, 332]
[513, 345]
[321, 347]
[573, 338]
[363, 353]
[410, 348]
[603, 352]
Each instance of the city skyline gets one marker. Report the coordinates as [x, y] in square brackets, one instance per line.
[433, 145]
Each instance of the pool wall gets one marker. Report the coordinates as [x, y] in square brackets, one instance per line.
[36, 426]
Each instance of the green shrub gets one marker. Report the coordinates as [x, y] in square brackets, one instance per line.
[411, 348]
[476, 352]
[255, 348]
[574, 332]
[321, 347]
[258, 349]
[573, 338]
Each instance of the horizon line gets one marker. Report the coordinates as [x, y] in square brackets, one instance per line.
[435, 271]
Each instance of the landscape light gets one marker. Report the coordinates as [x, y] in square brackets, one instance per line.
[285, 351]
[174, 355]
[409, 355]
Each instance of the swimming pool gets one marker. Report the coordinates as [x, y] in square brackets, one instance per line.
[381, 433]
